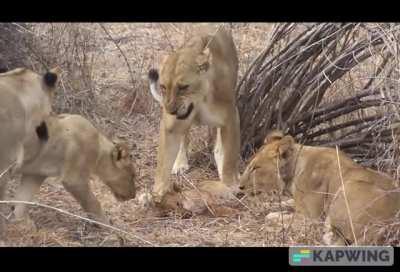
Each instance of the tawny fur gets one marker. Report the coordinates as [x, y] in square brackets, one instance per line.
[75, 152]
[311, 175]
[25, 100]
[209, 197]
[197, 85]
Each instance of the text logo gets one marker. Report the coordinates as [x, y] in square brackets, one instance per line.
[341, 256]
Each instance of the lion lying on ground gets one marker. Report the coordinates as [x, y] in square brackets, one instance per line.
[25, 100]
[313, 176]
[74, 152]
[197, 84]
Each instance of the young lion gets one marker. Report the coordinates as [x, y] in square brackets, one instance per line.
[208, 197]
[75, 151]
[25, 100]
[313, 176]
[197, 85]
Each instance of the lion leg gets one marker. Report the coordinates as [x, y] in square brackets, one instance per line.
[3, 183]
[6, 166]
[29, 187]
[332, 235]
[333, 239]
[2, 197]
[79, 188]
[230, 142]
[168, 148]
[181, 164]
[218, 152]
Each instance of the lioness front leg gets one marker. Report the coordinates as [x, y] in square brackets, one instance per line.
[168, 148]
[230, 142]
[29, 187]
[181, 164]
[80, 190]
[218, 152]
[2, 196]
[4, 175]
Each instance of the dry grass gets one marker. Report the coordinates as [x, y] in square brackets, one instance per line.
[99, 83]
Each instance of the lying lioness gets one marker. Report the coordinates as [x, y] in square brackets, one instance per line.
[313, 176]
[75, 151]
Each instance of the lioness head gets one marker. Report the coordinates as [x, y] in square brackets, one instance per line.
[271, 167]
[182, 79]
[120, 174]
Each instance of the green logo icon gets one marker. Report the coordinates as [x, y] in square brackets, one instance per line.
[303, 256]
[341, 256]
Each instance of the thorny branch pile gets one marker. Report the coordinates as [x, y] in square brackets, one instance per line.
[296, 84]
[302, 82]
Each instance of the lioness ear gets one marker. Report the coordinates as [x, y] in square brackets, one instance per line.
[203, 61]
[51, 77]
[273, 136]
[153, 75]
[154, 90]
[286, 146]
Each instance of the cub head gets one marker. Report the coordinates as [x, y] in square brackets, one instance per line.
[120, 174]
[181, 84]
[271, 167]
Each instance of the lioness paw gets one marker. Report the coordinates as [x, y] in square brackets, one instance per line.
[180, 168]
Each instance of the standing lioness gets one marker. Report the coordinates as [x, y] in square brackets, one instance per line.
[25, 100]
[314, 177]
[75, 151]
[197, 84]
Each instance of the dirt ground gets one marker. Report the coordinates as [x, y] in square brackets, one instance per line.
[140, 226]
[143, 46]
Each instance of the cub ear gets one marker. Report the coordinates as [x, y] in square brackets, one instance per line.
[274, 135]
[120, 151]
[51, 77]
[285, 148]
[203, 61]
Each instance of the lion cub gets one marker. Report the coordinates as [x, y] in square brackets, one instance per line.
[74, 152]
[209, 197]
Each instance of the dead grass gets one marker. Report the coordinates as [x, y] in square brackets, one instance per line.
[98, 84]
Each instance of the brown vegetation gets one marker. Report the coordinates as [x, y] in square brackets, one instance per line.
[325, 84]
